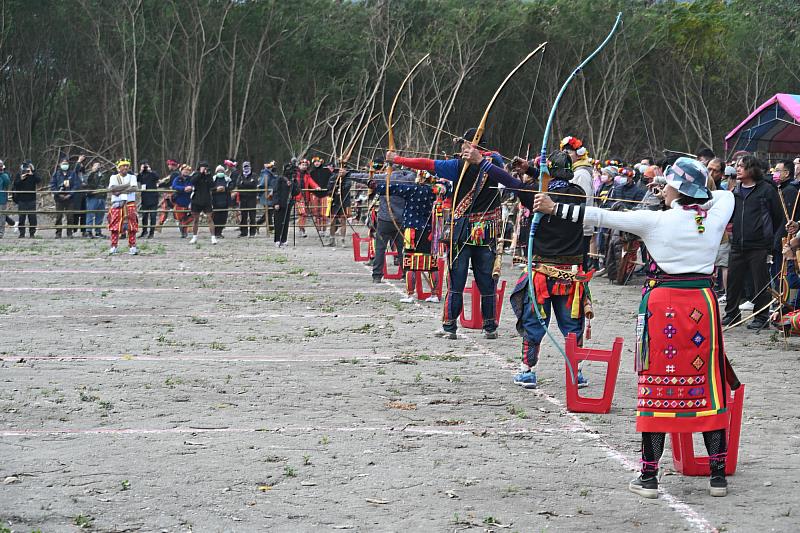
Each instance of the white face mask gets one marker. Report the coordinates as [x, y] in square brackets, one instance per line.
[64, 166]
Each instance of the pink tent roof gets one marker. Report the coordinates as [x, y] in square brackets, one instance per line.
[772, 128]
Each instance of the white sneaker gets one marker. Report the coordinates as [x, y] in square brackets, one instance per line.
[747, 306]
[194, 239]
[112, 251]
[213, 239]
[133, 251]
[432, 299]
[722, 300]
[407, 300]
[15, 224]
[277, 245]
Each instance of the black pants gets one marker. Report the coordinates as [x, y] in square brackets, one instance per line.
[27, 208]
[385, 233]
[80, 208]
[220, 218]
[752, 264]
[283, 219]
[653, 447]
[65, 213]
[247, 206]
[149, 214]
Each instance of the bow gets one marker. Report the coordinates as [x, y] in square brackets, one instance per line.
[346, 154]
[476, 139]
[388, 169]
[544, 179]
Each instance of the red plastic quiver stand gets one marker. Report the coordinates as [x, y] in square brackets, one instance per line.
[475, 321]
[683, 448]
[577, 403]
[392, 275]
[358, 256]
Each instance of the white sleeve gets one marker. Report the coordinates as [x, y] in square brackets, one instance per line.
[639, 222]
[723, 205]
[583, 179]
[134, 181]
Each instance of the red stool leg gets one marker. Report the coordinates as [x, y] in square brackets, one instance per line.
[577, 403]
[475, 320]
[392, 275]
[358, 256]
[683, 456]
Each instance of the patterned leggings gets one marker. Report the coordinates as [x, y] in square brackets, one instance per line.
[116, 222]
[653, 447]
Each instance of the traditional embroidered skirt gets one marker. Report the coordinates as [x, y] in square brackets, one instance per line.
[680, 360]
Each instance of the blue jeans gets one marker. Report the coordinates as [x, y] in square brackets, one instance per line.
[532, 330]
[482, 259]
[96, 211]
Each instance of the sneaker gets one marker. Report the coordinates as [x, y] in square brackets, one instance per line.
[407, 300]
[112, 251]
[718, 486]
[747, 306]
[442, 333]
[377, 280]
[277, 245]
[757, 324]
[133, 251]
[490, 335]
[433, 299]
[646, 487]
[526, 380]
[213, 240]
[582, 381]
[731, 319]
[722, 300]
[194, 239]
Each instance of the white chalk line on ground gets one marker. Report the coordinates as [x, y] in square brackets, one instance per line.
[421, 430]
[184, 272]
[346, 355]
[694, 518]
[168, 289]
[196, 315]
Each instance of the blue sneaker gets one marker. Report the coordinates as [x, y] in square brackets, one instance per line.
[527, 380]
[582, 381]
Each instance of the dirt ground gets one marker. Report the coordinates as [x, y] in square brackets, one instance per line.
[241, 388]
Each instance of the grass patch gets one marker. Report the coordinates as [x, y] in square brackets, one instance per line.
[519, 412]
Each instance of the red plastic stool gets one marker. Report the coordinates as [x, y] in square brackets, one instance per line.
[577, 403]
[392, 275]
[358, 256]
[437, 290]
[683, 448]
[475, 321]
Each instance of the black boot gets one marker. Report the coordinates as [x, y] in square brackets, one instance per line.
[718, 485]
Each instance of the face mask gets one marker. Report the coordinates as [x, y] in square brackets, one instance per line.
[620, 180]
[220, 174]
[65, 166]
[776, 177]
